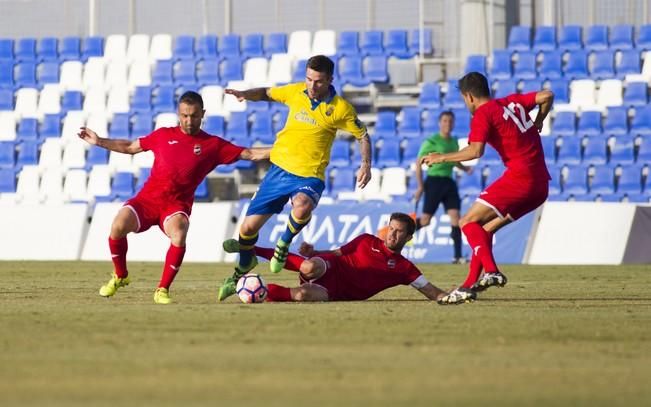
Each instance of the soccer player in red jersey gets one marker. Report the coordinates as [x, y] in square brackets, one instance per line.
[505, 125]
[183, 156]
[356, 271]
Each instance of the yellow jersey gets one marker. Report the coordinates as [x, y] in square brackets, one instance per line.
[303, 146]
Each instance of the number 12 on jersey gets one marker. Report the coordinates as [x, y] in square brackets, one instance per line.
[523, 122]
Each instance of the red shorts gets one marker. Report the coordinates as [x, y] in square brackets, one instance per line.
[152, 211]
[328, 280]
[514, 196]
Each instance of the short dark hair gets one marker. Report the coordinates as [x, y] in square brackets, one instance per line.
[321, 63]
[191, 98]
[406, 219]
[446, 113]
[476, 84]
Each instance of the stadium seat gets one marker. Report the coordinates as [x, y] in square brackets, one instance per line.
[415, 42]
[143, 124]
[603, 181]
[570, 38]
[25, 75]
[280, 69]
[622, 150]
[27, 188]
[544, 38]
[7, 183]
[122, 188]
[94, 71]
[120, 162]
[577, 65]
[476, 63]
[214, 125]
[276, 43]
[202, 193]
[453, 98]
[431, 121]
[410, 154]
[6, 49]
[630, 180]
[117, 101]
[208, 72]
[184, 73]
[576, 180]
[164, 100]
[138, 48]
[51, 187]
[207, 47]
[343, 180]
[555, 187]
[96, 156]
[348, 43]
[116, 75]
[26, 103]
[629, 63]
[99, 183]
[375, 69]
[230, 69]
[7, 156]
[95, 101]
[50, 126]
[583, 94]
[7, 126]
[261, 128]
[636, 94]
[70, 49]
[183, 47]
[340, 154]
[74, 186]
[27, 129]
[462, 122]
[120, 126]
[621, 37]
[27, 154]
[616, 121]
[643, 39]
[396, 44]
[644, 150]
[143, 174]
[160, 47]
[71, 124]
[6, 100]
[430, 96]
[48, 72]
[494, 172]
[141, 99]
[409, 122]
[570, 151]
[394, 183]
[501, 65]
[505, 87]
[164, 119]
[470, 184]
[237, 126]
[51, 155]
[255, 72]
[550, 67]
[163, 73]
[641, 122]
[49, 101]
[604, 65]
[47, 49]
[564, 124]
[74, 155]
[71, 75]
[6, 74]
[533, 85]
[299, 46]
[350, 71]
[389, 153]
[597, 38]
[25, 50]
[115, 48]
[549, 149]
[213, 99]
[92, 47]
[301, 65]
[95, 121]
[252, 46]
[589, 123]
[324, 43]
[519, 38]
[595, 152]
[609, 94]
[525, 66]
[385, 124]
[372, 43]
[490, 157]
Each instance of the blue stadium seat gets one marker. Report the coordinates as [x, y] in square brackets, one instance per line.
[597, 38]
[644, 150]
[385, 124]
[630, 180]
[533, 85]
[230, 69]
[576, 180]
[410, 125]
[340, 154]
[461, 122]
[564, 124]
[122, 188]
[343, 180]
[276, 43]
[143, 174]
[6, 99]
[577, 65]
[252, 46]
[348, 43]
[570, 151]
[47, 49]
[70, 49]
[641, 122]
[184, 47]
[550, 67]
[376, 69]
[501, 65]
[229, 46]
[50, 126]
[280, 117]
[141, 100]
[208, 72]
[27, 154]
[162, 74]
[214, 125]
[143, 124]
[27, 129]
[476, 63]
[604, 65]
[621, 37]
[207, 47]
[490, 157]
[350, 71]
[415, 41]
[396, 44]
[453, 98]
[636, 94]
[545, 38]
[184, 73]
[590, 123]
[7, 180]
[470, 184]
[71, 100]
[555, 187]
[7, 75]
[164, 100]
[412, 148]
[647, 186]
[519, 38]
[431, 122]
[237, 126]
[629, 63]
[6, 49]
[92, 47]
[389, 154]
[616, 121]
[48, 72]
[301, 65]
[494, 172]
[25, 75]
[570, 38]
[120, 126]
[202, 193]
[430, 96]
[262, 128]
[640, 198]
[643, 40]
[549, 149]
[622, 150]
[258, 106]
[596, 151]
[372, 43]
[525, 66]
[25, 50]
[7, 156]
[505, 87]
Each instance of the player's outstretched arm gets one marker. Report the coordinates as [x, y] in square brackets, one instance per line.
[432, 292]
[364, 172]
[544, 99]
[470, 152]
[255, 153]
[254, 95]
[117, 145]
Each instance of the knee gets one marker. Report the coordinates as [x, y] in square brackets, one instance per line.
[119, 229]
[247, 229]
[424, 221]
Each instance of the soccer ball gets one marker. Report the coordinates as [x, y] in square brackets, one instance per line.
[251, 289]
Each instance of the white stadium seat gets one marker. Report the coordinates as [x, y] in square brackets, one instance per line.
[74, 186]
[27, 188]
[98, 123]
[144, 159]
[49, 100]
[120, 162]
[300, 45]
[213, 100]
[26, 103]
[95, 101]
[7, 126]
[71, 76]
[161, 47]
[166, 120]
[99, 182]
[115, 48]
[74, 155]
[394, 181]
[230, 102]
[138, 48]
[325, 43]
[280, 69]
[255, 72]
[118, 101]
[94, 73]
[51, 155]
[116, 74]
[139, 74]
[645, 75]
[583, 94]
[610, 93]
[71, 124]
[51, 187]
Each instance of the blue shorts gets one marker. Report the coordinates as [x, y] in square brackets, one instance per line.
[278, 186]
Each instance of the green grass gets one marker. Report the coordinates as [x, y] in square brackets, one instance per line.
[553, 336]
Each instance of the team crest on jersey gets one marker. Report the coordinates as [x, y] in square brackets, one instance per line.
[391, 263]
[330, 110]
[197, 149]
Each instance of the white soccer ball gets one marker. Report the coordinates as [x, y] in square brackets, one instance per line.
[251, 289]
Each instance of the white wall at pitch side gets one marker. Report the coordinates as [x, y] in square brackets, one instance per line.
[582, 233]
[42, 232]
[210, 224]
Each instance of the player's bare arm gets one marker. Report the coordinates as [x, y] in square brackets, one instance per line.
[544, 99]
[419, 179]
[432, 292]
[254, 95]
[117, 145]
[470, 152]
[255, 153]
[364, 172]
[307, 250]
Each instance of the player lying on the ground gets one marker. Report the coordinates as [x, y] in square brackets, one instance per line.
[356, 271]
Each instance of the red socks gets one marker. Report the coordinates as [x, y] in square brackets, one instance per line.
[173, 262]
[278, 293]
[293, 262]
[481, 243]
[118, 250]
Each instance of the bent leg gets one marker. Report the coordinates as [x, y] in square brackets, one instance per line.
[124, 222]
[249, 236]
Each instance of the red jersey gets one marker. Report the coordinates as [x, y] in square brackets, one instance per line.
[181, 161]
[505, 125]
[367, 267]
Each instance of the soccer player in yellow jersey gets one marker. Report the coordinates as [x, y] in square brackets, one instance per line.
[299, 157]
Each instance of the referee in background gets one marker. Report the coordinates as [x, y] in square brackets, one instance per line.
[440, 186]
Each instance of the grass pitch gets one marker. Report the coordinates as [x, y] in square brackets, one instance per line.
[553, 336]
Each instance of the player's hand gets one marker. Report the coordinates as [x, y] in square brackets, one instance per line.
[418, 193]
[431, 158]
[88, 135]
[306, 249]
[539, 125]
[363, 175]
[237, 93]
